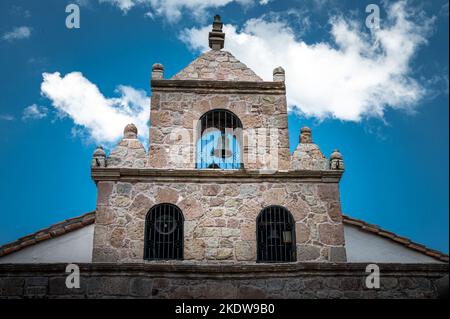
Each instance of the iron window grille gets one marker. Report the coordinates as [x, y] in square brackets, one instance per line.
[220, 140]
[164, 233]
[275, 235]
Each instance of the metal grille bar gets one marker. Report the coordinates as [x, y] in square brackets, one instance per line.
[164, 233]
[220, 142]
[275, 234]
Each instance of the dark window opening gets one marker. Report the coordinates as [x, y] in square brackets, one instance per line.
[275, 234]
[220, 140]
[164, 233]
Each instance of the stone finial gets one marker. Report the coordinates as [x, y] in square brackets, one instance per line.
[129, 152]
[305, 135]
[278, 74]
[336, 161]
[157, 71]
[99, 157]
[216, 36]
[130, 132]
[307, 155]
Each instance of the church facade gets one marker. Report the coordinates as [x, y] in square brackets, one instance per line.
[218, 187]
[219, 171]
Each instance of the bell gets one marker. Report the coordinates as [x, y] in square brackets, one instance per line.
[222, 148]
[273, 234]
[287, 237]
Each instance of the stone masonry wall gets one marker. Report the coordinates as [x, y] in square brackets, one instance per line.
[217, 66]
[220, 218]
[308, 156]
[174, 117]
[128, 153]
[158, 281]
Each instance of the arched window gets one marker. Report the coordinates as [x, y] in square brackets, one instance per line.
[220, 140]
[164, 233]
[275, 235]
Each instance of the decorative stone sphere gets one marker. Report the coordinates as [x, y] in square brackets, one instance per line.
[98, 158]
[278, 70]
[157, 71]
[278, 74]
[305, 129]
[336, 155]
[158, 66]
[130, 131]
[305, 135]
[99, 152]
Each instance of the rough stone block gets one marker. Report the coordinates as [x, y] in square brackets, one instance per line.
[109, 286]
[104, 190]
[249, 292]
[330, 234]
[338, 254]
[10, 287]
[57, 287]
[307, 252]
[141, 287]
[245, 250]
[302, 233]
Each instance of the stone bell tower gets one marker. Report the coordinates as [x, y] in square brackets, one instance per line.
[218, 183]
[217, 80]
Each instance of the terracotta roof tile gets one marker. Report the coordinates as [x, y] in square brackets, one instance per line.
[72, 224]
[53, 231]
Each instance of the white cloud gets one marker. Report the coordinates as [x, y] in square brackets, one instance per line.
[102, 118]
[173, 9]
[444, 10]
[34, 112]
[6, 117]
[83, 3]
[17, 34]
[356, 75]
[20, 11]
[150, 15]
[123, 5]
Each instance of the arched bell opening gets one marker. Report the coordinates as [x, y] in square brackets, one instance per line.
[220, 140]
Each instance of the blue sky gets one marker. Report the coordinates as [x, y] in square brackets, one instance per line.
[381, 96]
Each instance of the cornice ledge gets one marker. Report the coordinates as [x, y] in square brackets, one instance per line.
[182, 267]
[324, 176]
[202, 85]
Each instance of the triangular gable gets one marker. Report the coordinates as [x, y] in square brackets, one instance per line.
[217, 65]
